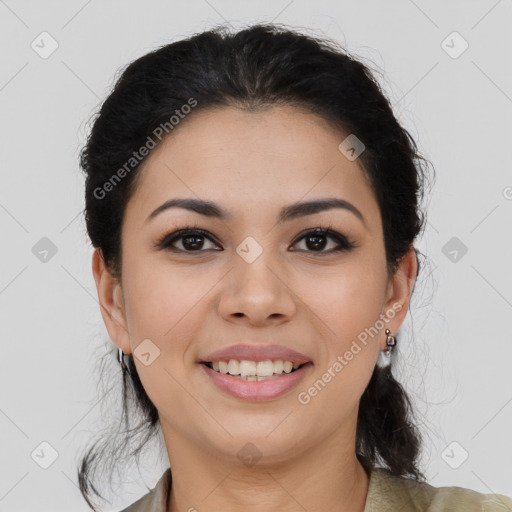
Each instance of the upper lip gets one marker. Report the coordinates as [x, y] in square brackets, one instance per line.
[256, 353]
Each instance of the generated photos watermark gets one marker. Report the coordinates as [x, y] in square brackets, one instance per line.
[137, 156]
[304, 397]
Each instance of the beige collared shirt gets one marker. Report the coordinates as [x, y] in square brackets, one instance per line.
[386, 493]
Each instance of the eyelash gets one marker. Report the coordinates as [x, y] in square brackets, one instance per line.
[344, 244]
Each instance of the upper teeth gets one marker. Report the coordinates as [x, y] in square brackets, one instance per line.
[246, 368]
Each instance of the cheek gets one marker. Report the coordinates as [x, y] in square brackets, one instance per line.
[348, 300]
[161, 300]
[346, 309]
[163, 306]
[167, 306]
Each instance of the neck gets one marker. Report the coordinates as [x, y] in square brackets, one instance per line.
[321, 478]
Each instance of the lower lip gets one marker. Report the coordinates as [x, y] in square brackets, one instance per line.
[255, 391]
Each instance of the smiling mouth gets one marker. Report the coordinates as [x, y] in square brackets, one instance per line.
[252, 371]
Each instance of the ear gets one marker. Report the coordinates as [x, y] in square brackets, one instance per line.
[111, 301]
[398, 294]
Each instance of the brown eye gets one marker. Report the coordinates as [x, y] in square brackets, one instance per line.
[192, 240]
[316, 241]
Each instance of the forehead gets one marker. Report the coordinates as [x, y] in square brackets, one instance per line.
[251, 160]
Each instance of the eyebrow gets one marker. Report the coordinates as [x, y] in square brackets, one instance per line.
[287, 213]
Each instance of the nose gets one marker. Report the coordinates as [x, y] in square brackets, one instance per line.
[257, 294]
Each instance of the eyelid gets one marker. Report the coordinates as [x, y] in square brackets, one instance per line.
[343, 241]
[178, 233]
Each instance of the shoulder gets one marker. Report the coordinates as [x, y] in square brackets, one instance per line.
[156, 499]
[388, 493]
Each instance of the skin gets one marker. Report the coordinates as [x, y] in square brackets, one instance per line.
[191, 303]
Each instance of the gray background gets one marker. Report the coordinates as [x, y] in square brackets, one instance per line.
[456, 350]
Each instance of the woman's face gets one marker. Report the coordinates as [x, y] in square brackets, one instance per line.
[253, 278]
